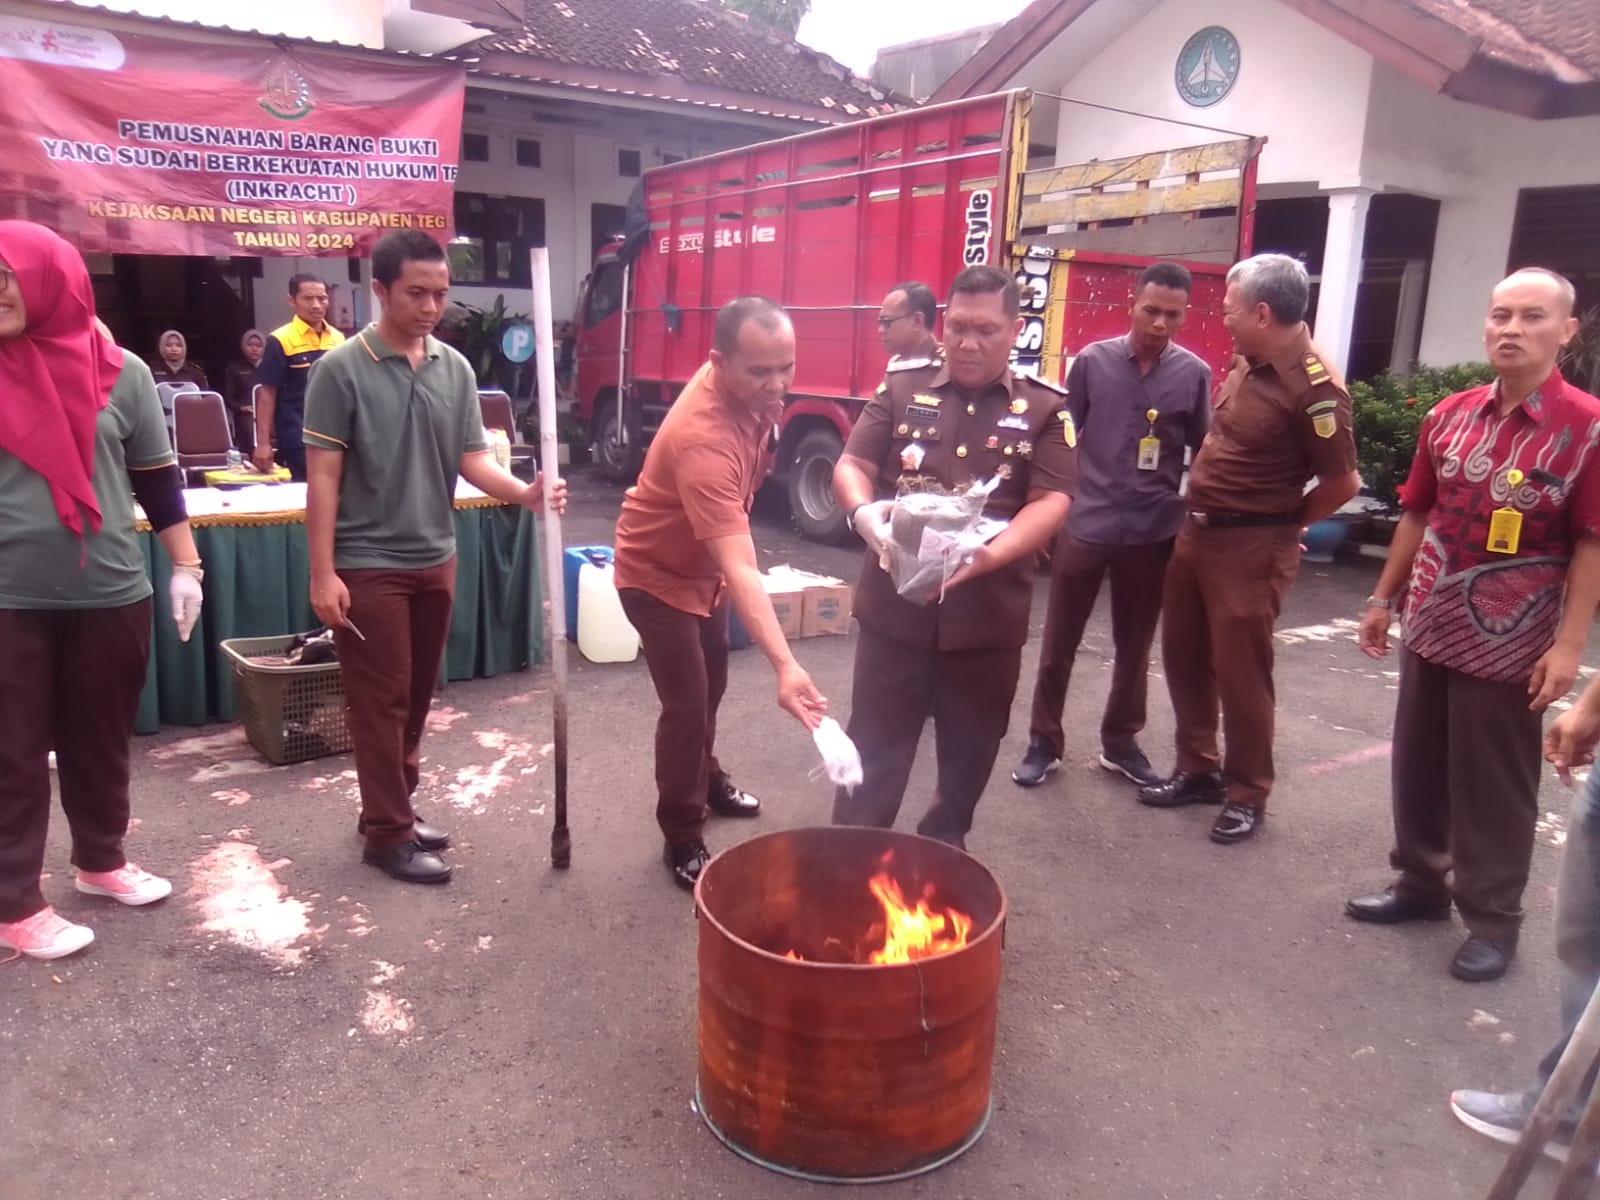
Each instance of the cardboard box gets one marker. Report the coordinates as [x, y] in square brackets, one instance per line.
[824, 602]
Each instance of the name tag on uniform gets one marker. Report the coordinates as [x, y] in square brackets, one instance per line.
[1149, 453]
[1505, 531]
[1012, 423]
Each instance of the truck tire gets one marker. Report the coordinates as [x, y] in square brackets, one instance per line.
[810, 485]
[617, 462]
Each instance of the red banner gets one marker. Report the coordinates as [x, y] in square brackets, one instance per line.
[133, 144]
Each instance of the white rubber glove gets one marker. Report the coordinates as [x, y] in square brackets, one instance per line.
[187, 597]
[871, 523]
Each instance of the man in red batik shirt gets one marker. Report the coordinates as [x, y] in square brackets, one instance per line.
[1498, 557]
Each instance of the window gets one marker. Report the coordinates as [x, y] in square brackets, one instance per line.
[629, 163]
[474, 147]
[527, 152]
[605, 293]
[493, 237]
[668, 159]
[606, 221]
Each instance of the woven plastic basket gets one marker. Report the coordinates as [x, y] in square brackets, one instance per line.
[290, 713]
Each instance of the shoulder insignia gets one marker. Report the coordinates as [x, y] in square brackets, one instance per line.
[1315, 371]
[882, 388]
[1069, 431]
[1321, 406]
[1044, 383]
[1325, 424]
[909, 364]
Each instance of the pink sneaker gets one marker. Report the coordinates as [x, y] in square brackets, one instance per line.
[128, 884]
[45, 935]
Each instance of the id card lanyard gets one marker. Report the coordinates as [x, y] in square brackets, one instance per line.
[1150, 445]
[1505, 524]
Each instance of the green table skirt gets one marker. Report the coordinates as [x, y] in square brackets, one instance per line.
[257, 585]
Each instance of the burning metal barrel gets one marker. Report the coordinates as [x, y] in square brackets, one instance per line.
[848, 988]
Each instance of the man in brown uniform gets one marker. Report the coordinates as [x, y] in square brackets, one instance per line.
[684, 553]
[1281, 419]
[905, 323]
[957, 659]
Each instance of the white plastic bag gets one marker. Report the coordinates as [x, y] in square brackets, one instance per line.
[841, 761]
[931, 535]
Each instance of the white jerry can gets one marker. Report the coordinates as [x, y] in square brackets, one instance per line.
[604, 632]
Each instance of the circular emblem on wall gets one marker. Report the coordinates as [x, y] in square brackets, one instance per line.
[1207, 67]
[287, 95]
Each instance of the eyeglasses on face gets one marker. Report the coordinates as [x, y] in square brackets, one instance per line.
[885, 322]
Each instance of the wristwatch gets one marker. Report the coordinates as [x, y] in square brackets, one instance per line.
[1374, 602]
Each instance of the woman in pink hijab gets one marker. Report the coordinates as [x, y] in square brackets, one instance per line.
[81, 436]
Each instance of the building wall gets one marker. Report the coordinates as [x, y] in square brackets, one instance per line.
[1473, 160]
[1302, 87]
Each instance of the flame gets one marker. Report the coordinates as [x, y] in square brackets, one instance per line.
[913, 933]
[909, 933]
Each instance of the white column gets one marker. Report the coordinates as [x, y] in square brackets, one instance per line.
[1469, 258]
[1341, 273]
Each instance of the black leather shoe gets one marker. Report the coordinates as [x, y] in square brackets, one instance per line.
[1132, 765]
[1481, 959]
[1036, 764]
[429, 837]
[686, 861]
[1235, 823]
[408, 862]
[1184, 788]
[1389, 907]
[726, 800]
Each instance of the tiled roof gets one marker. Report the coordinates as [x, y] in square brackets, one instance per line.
[695, 41]
[1558, 38]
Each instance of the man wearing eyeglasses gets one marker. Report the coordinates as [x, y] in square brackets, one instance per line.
[905, 323]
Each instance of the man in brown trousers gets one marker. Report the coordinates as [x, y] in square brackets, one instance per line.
[1497, 565]
[1140, 402]
[954, 659]
[1282, 418]
[684, 553]
[392, 418]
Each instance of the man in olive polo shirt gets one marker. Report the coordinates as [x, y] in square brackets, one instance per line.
[391, 417]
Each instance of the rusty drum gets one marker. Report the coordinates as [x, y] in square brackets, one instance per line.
[825, 1065]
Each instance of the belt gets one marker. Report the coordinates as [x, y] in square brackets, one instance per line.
[1240, 520]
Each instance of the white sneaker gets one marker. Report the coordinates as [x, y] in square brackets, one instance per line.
[45, 935]
[128, 884]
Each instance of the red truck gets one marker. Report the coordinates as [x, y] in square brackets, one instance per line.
[825, 223]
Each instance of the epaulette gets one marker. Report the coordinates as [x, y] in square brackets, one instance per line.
[911, 364]
[1044, 383]
[1315, 371]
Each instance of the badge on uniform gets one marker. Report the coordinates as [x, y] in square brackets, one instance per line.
[1019, 406]
[992, 444]
[1069, 431]
[1324, 416]
[1505, 524]
[1150, 444]
[926, 400]
[1012, 423]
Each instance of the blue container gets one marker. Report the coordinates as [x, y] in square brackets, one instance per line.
[738, 636]
[572, 561]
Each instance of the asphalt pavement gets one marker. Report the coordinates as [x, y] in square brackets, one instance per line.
[1178, 1019]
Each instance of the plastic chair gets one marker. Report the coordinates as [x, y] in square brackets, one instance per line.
[202, 434]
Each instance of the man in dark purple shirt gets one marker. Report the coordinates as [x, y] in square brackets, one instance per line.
[1138, 402]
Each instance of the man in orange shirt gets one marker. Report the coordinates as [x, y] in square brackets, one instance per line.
[684, 553]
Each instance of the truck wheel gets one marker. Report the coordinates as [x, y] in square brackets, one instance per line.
[810, 481]
[618, 463]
